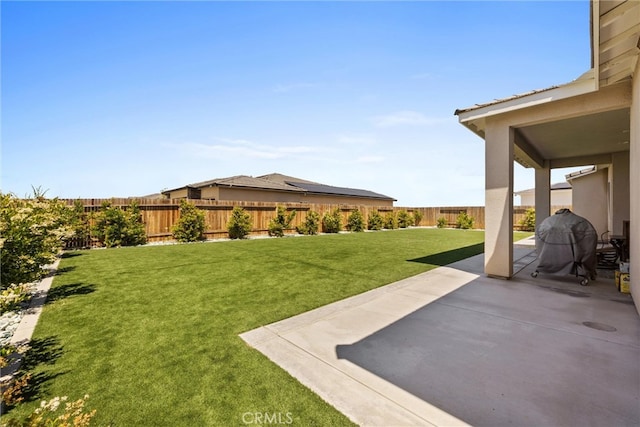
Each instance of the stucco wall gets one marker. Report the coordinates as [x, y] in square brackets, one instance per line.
[591, 201]
[230, 193]
[212, 193]
[558, 198]
[634, 190]
[620, 191]
[178, 194]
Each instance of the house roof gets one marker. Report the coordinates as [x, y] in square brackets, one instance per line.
[240, 181]
[279, 182]
[583, 134]
[278, 177]
[338, 191]
[615, 48]
[561, 186]
[317, 188]
[556, 186]
[584, 83]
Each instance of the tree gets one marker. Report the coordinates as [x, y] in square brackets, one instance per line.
[355, 221]
[239, 224]
[404, 219]
[311, 223]
[191, 224]
[375, 221]
[528, 223]
[281, 222]
[115, 226]
[332, 221]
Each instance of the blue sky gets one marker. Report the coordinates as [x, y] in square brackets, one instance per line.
[108, 99]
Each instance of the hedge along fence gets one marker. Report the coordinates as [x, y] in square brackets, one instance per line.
[159, 215]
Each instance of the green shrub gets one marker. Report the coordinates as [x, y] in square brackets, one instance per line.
[332, 221]
[390, 221]
[441, 222]
[77, 220]
[464, 221]
[115, 226]
[281, 222]
[239, 224]
[355, 221]
[417, 217]
[405, 219]
[13, 296]
[528, 223]
[311, 223]
[191, 224]
[375, 221]
[32, 233]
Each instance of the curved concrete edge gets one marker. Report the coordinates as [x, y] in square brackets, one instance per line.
[24, 331]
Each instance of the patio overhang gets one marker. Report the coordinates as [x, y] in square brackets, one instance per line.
[564, 126]
[594, 120]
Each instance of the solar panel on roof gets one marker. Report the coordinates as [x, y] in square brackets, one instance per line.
[343, 191]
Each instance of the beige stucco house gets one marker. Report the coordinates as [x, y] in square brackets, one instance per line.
[277, 188]
[560, 195]
[594, 120]
[593, 201]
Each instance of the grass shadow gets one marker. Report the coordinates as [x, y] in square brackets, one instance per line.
[447, 257]
[61, 271]
[70, 255]
[36, 387]
[64, 291]
[42, 351]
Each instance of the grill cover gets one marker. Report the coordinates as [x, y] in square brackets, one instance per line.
[566, 244]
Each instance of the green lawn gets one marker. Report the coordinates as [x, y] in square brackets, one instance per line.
[151, 333]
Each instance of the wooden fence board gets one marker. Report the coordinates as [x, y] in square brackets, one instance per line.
[159, 215]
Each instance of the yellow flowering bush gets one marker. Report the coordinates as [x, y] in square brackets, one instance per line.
[33, 232]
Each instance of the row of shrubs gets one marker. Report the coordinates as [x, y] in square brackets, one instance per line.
[191, 225]
[463, 221]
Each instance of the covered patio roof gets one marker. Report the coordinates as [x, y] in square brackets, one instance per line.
[585, 126]
[577, 136]
[592, 120]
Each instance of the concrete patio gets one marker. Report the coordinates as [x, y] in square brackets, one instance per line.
[454, 347]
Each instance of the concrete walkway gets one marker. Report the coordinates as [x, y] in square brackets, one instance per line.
[452, 347]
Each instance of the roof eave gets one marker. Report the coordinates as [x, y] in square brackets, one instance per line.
[472, 115]
[184, 187]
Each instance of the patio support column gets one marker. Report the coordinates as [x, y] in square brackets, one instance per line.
[543, 193]
[498, 245]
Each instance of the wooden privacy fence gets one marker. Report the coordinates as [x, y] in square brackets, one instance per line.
[159, 215]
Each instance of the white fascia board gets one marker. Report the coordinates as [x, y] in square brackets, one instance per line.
[575, 88]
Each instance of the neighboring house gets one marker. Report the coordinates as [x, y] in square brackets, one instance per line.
[560, 195]
[594, 120]
[277, 188]
[592, 200]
